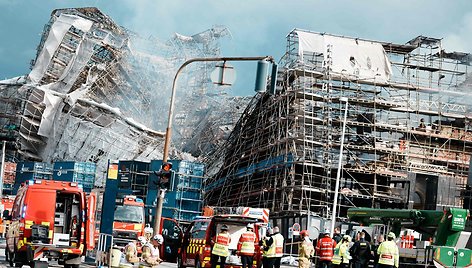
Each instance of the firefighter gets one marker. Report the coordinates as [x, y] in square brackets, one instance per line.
[131, 251]
[388, 253]
[148, 233]
[305, 251]
[279, 247]
[324, 249]
[246, 246]
[220, 247]
[341, 255]
[150, 250]
[360, 252]
[268, 249]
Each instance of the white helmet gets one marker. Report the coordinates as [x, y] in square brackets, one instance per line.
[250, 226]
[158, 238]
[142, 240]
[148, 230]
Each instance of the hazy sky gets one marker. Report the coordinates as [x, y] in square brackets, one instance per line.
[257, 27]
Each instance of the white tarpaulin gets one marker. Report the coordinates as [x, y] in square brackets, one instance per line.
[351, 58]
[58, 30]
[47, 119]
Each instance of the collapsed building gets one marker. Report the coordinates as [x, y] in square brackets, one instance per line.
[97, 91]
[407, 140]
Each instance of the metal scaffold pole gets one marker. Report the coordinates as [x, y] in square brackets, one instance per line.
[2, 169]
[260, 74]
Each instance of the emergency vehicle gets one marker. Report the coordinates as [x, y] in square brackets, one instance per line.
[196, 245]
[128, 221]
[48, 222]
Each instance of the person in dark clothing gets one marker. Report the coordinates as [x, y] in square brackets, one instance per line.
[360, 252]
[368, 238]
[337, 235]
[268, 250]
[379, 241]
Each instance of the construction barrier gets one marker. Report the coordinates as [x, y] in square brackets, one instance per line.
[407, 240]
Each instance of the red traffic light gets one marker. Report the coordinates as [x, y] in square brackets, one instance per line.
[166, 166]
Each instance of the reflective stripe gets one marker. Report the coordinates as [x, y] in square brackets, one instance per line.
[388, 253]
[246, 243]
[270, 253]
[344, 252]
[336, 257]
[325, 248]
[221, 246]
[279, 245]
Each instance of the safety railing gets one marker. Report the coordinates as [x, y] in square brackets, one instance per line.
[105, 242]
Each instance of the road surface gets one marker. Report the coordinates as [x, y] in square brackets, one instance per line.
[4, 263]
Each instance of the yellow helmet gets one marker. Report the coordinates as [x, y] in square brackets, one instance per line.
[391, 235]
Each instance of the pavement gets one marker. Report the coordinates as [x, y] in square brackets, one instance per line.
[4, 263]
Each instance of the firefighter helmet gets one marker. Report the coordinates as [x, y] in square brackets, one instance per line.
[142, 240]
[304, 233]
[158, 238]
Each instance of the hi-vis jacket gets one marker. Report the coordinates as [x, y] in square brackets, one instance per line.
[246, 243]
[325, 248]
[268, 245]
[221, 246]
[341, 254]
[279, 245]
[388, 253]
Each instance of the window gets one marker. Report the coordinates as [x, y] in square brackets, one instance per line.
[134, 214]
[19, 200]
[170, 230]
[199, 230]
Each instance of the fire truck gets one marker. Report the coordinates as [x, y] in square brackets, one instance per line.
[196, 244]
[128, 222]
[48, 222]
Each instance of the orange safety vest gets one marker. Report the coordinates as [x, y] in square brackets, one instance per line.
[325, 248]
[246, 243]
[221, 246]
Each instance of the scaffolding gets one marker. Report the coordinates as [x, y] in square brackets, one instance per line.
[408, 135]
[97, 91]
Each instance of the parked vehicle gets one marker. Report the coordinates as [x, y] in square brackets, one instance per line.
[128, 222]
[444, 237]
[48, 222]
[196, 245]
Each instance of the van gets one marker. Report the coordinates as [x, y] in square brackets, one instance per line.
[196, 246]
[48, 222]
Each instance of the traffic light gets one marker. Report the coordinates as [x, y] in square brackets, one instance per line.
[165, 175]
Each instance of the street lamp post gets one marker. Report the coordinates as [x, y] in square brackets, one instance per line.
[2, 170]
[338, 174]
[165, 156]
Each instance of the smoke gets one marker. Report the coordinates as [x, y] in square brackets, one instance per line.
[460, 39]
